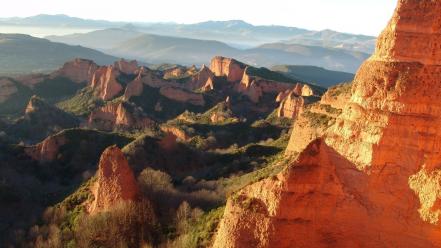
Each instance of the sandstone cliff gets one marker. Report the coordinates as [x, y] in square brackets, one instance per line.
[225, 67]
[126, 67]
[47, 150]
[374, 179]
[203, 80]
[115, 181]
[116, 116]
[104, 82]
[181, 95]
[77, 70]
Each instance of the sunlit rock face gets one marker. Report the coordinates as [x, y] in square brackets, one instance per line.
[105, 84]
[115, 181]
[118, 116]
[77, 70]
[232, 69]
[127, 67]
[374, 179]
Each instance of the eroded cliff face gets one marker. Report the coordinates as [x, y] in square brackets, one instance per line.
[116, 116]
[292, 102]
[126, 67]
[202, 80]
[105, 84]
[373, 180]
[232, 69]
[115, 181]
[47, 150]
[181, 95]
[77, 70]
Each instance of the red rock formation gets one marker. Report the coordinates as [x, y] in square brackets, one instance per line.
[225, 67]
[7, 89]
[255, 87]
[291, 106]
[118, 116]
[203, 80]
[337, 96]
[115, 181]
[374, 180]
[307, 91]
[134, 88]
[175, 131]
[181, 95]
[77, 70]
[105, 84]
[179, 72]
[47, 150]
[127, 67]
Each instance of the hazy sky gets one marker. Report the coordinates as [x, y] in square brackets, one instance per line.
[354, 16]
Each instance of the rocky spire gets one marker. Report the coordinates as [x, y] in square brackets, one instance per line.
[115, 181]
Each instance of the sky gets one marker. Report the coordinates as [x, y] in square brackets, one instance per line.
[352, 16]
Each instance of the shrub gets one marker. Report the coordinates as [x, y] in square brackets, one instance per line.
[129, 224]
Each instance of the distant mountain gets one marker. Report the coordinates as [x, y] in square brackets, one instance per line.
[314, 75]
[130, 43]
[159, 49]
[236, 33]
[57, 21]
[294, 54]
[100, 39]
[333, 39]
[26, 54]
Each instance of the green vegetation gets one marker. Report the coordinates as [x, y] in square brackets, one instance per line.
[340, 89]
[82, 103]
[55, 89]
[161, 107]
[224, 116]
[270, 75]
[329, 109]
[24, 54]
[315, 75]
[319, 120]
[202, 230]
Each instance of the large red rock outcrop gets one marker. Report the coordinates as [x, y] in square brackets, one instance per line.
[104, 82]
[225, 67]
[255, 87]
[115, 181]
[47, 150]
[202, 80]
[291, 102]
[118, 116]
[77, 70]
[134, 88]
[181, 95]
[291, 106]
[374, 179]
[127, 67]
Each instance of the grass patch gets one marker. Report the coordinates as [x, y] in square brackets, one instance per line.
[82, 103]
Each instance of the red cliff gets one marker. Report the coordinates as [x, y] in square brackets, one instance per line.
[115, 181]
[225, 67]
[374, 179]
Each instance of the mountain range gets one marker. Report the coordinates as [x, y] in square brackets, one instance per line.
[234, 32]
[151, 48]
[21, 54]
[196, 43]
